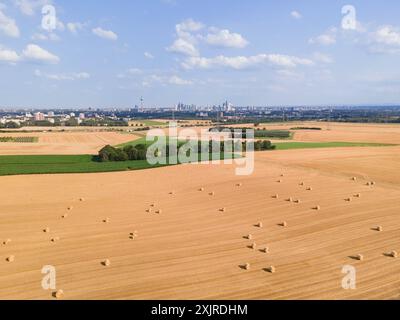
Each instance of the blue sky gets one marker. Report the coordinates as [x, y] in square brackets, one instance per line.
[256, 52]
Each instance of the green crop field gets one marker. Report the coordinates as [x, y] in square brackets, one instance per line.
[19, 139]
[52, 164]
[140, 141]
[46, 164]
[132, 143]
[318, 145]
[273, 134]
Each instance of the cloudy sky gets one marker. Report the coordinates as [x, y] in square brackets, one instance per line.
[256, 52]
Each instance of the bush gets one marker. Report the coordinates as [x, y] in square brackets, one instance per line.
[109, 153]
[10, 125]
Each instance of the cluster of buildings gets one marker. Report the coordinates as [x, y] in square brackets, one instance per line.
[38, 116]
[50, 116]
[226, 112]
[225, 107]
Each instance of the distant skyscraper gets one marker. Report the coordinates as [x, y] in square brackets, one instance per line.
[226, 106]
[141, 102]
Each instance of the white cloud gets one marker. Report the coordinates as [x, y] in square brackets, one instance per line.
[7, 55]
[225, 38]
[130, 73]
[134, 71]
[35, 53]
[8, 26]
[45, 37]
[82, 75]
[189, 25]
[105, 34]
[74, 27]
[322, 57]
[148, 55]
[296, 15]
[179, 81]
[186, 43]
[243, 62]
[184, 47]
[387, 35]
[29, 7]
[62, 76]
[60, 25]
[289, 74]
[165, 80]
[188, 36]
[326, 39]
[384, 40]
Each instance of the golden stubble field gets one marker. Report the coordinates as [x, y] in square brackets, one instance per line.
[186, 248]
[63, 143]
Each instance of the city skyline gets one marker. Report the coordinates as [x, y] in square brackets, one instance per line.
[258, 53]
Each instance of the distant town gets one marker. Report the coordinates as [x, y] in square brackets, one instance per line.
[225, 113]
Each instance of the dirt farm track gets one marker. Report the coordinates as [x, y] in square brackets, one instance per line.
[166, 238]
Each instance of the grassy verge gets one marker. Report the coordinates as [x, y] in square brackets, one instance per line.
[319, 145]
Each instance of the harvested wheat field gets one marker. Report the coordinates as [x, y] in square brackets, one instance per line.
[158, 234]
[333, 131]
[63, 143]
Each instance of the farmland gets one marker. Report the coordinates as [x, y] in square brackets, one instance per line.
[48, 164]
[319, 145]
[191, 223]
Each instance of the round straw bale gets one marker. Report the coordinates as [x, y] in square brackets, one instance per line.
[59, 294]
[271, 269]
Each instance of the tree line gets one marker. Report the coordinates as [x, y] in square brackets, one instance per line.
[241, 133]
[139, 152]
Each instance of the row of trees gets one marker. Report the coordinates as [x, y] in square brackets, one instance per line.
[139, 152]
[109, 153]
[9, 125]
[241, 133]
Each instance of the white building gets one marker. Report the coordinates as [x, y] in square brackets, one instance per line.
[39, 116]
